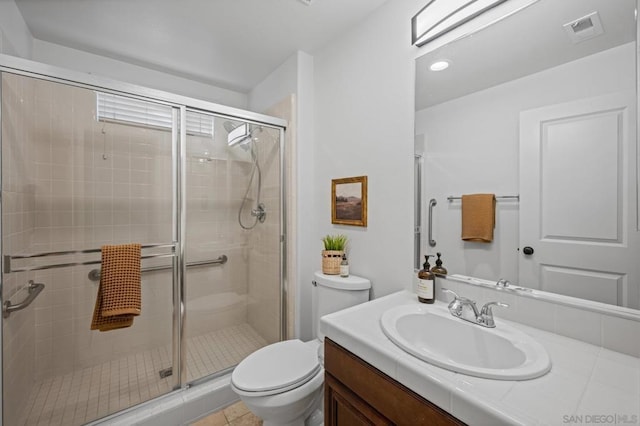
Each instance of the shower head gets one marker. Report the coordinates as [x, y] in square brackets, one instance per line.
[229, 126]
[238, 135]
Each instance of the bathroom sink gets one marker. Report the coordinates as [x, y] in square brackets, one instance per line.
[432, 334]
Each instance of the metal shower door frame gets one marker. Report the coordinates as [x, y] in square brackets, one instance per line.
[180, 104]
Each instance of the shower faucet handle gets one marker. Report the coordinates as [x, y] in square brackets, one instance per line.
[260, 212]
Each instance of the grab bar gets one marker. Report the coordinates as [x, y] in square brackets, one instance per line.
[34, 290]
[94, 274]
[432, 203]
[6, 267]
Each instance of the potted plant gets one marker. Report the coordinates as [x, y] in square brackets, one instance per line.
[334, 246]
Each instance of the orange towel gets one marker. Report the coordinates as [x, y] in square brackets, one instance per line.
[118, 299]
[478, 217]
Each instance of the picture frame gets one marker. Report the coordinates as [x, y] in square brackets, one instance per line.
[349, 201]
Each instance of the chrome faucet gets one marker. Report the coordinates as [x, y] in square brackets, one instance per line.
[503, 283]
[484, 317]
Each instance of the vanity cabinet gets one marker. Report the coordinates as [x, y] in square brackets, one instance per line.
[358, 394]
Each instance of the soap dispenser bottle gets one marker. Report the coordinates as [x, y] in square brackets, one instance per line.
[439, 269]
[344, 266]
[426, 283]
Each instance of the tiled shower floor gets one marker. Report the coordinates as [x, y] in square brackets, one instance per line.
[88, 394]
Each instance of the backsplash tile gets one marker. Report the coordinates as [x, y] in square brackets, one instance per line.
[579, 324]
[609, 331]
[621, 335]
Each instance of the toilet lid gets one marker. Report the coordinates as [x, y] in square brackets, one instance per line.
[277, 366]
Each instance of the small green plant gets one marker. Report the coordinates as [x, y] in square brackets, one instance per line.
[335, 242]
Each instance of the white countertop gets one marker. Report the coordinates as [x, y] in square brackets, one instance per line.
[587, 384]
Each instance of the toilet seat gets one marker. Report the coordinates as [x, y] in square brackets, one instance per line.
[276, 368]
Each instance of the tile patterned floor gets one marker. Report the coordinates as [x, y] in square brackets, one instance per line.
[234, 415]
[88, 394]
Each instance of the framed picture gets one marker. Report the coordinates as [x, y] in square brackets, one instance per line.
[349, 201]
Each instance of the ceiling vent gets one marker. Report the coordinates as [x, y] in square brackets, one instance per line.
[584, 28]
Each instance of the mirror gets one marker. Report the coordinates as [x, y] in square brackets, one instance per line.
[539, 108]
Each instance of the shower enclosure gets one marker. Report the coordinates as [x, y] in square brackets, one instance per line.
[90, 163]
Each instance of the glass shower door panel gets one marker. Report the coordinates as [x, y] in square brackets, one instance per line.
[80, 171]
[233, 213]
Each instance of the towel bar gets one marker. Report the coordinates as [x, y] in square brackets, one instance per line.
[34, 290]
[94, 274]
[498, 197]
[7, 268]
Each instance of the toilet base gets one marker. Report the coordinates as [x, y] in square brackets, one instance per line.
[295, 407]
[316, 418]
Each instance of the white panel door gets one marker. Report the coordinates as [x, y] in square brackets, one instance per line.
[578, 200]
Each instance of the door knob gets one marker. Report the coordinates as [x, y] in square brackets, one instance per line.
[528, 250]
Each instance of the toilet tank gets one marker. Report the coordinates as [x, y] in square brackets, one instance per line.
[333, 293]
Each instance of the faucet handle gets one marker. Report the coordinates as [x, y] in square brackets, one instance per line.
[458, 303]
[486, 314]
[455, 306]
[486, 309]
[446, 290]
[459, 299]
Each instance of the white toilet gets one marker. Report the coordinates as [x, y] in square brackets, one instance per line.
[282, 383]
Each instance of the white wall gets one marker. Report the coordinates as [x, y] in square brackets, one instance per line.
[16, 40]
[472, 146]
[364, 92]
[15, 37]
[280, 83]
[78, 60]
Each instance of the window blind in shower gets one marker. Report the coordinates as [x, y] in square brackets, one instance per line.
[137, 112]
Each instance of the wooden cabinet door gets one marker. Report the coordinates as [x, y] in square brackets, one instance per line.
[344, 408]
[356, 393]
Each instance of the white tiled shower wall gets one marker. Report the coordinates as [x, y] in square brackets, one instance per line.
[18, 191]
[264, 263]
[96, 183]
[217, 181]
[285, 109]
[264, 287]
[71, 182]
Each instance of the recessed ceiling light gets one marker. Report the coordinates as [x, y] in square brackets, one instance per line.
[439, 65]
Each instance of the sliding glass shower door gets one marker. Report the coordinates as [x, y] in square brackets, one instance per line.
[82, 169]
[201, 193]
[233, 247]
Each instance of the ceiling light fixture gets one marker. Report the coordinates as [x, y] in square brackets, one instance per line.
[439, 17]
[439, 65]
